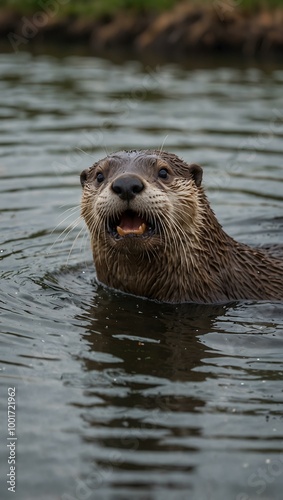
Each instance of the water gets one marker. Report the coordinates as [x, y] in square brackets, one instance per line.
[120, 398]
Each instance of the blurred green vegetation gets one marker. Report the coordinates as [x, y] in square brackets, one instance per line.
[101, 7]
[88, 7]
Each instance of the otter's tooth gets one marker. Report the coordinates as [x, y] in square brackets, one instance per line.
[120, 231]
[141, 229]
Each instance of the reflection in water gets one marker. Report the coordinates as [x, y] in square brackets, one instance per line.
[120, 397]
[161, 337]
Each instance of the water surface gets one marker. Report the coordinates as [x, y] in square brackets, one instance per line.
[120, 398]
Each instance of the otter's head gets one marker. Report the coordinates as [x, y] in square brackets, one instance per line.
[131, 199]
[139, 205]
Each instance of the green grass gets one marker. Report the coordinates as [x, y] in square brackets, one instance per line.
[97, 8]
[88, 7]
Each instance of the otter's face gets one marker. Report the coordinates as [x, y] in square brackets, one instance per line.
[136, 201]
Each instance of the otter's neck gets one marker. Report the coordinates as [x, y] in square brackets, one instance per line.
[220, 268]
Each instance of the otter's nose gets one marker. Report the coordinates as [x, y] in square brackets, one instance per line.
[127, 186]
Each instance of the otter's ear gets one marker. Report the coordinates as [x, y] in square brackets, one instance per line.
[196, 173]
[84, 176]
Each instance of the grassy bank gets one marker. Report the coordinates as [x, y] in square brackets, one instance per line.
[171, 27]
[97, 8]
[89, 7]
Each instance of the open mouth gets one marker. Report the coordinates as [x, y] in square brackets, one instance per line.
[130, 224]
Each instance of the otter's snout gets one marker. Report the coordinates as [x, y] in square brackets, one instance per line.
[127, 186]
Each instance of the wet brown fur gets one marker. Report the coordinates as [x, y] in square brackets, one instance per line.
[190, 258]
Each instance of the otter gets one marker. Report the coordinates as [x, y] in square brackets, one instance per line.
[154, 234]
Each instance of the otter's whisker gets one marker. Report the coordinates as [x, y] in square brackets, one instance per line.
[73, 245]
[85, 152]
[66, 218]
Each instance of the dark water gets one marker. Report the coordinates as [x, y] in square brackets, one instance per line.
[120, 398]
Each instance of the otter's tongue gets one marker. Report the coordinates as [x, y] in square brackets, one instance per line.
[131, 223]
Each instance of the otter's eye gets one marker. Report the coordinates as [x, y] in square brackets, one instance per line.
[100, 177]
[163, 173]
